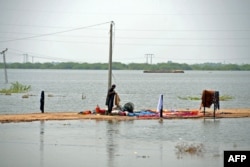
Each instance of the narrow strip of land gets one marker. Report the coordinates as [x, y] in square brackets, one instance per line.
[6, 118]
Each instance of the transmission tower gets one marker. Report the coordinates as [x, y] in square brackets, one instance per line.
[5, 66]
[151, 57]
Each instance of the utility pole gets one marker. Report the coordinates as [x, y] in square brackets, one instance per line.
[5, 67]
[110, 54]
[146, 55]
[151, 58]
[25, 58]
[149, 55]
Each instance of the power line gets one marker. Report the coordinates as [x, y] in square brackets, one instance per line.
[147, 44]
[36, 55]
[125, 13]
[185, 45]
[63, 27]
[44, 26]
[71, 36]
[139, 38]
[205, 30]
[38, 26]
[59, 32]
[186, 59]
[186, 38]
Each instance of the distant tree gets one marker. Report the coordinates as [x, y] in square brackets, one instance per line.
[245, 67]
[47, 66]
[119, 66]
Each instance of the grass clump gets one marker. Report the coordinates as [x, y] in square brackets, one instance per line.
[16, 87]
[190, 149]
[189, 98]
[222, 98]
[225, 98]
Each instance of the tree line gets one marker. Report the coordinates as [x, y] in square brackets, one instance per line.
[131, 66]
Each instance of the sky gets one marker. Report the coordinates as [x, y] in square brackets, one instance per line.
[153, 31]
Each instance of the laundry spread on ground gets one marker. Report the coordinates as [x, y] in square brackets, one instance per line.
[208, 98]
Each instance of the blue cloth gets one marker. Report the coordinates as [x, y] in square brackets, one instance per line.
[142, 113]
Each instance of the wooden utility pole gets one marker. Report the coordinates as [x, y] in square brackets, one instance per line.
[5, 66]
[110, 55]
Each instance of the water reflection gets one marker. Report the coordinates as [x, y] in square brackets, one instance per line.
[41, 143]
[161, 143]
[211, 126]
[211, 123]
[112, 144]
[120, 144]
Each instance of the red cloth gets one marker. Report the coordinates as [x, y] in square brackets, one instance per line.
[99, 110]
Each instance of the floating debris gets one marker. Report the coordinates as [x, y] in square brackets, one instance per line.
[25, 96]
[191, 149]
[50, 95]
[83, 96]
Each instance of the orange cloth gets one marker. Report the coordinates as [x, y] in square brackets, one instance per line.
[99, 110]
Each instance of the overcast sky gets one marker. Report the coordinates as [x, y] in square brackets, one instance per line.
[183, 31]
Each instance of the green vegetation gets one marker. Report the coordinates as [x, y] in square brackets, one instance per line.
[16, 87]
[222, 98]
[131, 66]
[189, 98]
[225, 98]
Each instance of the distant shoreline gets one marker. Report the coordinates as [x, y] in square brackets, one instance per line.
[131, 66]
[30, 117]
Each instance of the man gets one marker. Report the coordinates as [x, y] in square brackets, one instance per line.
[110, 98]
[42, 102]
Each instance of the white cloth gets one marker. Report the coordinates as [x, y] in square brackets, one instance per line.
[160, 103]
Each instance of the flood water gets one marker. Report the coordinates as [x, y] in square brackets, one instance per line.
[64, 89]
[121, 143]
